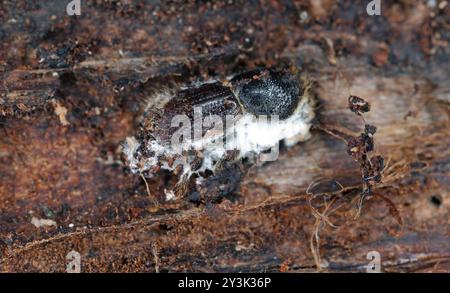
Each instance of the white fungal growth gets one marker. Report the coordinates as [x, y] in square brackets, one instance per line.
[130, 147]
[170, 195]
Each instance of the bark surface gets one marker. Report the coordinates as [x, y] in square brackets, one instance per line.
[73, 87]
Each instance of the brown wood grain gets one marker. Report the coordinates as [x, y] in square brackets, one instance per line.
[73, 88]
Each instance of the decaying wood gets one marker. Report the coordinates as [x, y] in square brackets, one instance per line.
[72, 90]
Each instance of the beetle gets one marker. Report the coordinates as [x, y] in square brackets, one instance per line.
[222, 123]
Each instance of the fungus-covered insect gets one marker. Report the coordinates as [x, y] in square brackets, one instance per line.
[205, 130]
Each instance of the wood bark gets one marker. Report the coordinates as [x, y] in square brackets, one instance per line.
[73, 88]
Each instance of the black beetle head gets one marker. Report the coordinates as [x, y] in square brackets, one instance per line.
[266, 92]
